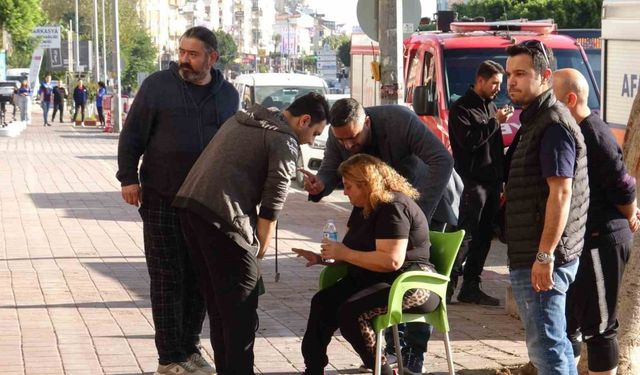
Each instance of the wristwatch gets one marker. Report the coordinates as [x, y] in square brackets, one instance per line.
[544, 258]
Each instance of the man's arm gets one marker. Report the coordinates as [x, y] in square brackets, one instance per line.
[557, 212]
[328, 172]
[264, 230]
[424, 144]
[468, 131]
[132, 143]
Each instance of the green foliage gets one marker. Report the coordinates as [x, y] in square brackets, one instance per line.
[335, 41]
[227, 49]
[344, 53]
[566, 13]
[18, 18]
[141, 57]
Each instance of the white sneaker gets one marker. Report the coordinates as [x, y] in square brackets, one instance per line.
[198, 361]
[82, 124]
[178, 368]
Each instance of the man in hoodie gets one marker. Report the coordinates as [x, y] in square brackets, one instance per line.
[249, 163]
[175, 115]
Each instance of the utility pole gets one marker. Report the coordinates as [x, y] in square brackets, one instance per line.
[391, 64]
[77, 41]
[117, 118]
[104, 45]
[96, 35]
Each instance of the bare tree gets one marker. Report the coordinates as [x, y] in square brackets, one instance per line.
[629, 300]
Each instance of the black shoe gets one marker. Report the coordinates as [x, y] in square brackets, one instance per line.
[470, 292]
[451, 288]
[412, 361]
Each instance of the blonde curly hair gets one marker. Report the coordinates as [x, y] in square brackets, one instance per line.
[377, 179]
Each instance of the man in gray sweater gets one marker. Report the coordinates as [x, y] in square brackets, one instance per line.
[229, 206]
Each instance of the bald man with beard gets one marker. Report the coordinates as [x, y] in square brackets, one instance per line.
[611, 220]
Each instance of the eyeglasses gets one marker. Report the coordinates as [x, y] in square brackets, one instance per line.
[539, 46]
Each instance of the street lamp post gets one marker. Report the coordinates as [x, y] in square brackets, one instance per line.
[116, 47]
[104, 44]
[77, 40]
[96, 35]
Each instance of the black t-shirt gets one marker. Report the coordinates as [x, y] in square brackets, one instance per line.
[399, 219]
[200, 92]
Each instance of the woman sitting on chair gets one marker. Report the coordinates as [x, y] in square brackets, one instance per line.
[387, 235]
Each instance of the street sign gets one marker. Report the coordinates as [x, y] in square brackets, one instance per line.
[50, 36]
[367, 12]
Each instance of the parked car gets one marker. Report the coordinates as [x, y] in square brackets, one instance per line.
[6, 91]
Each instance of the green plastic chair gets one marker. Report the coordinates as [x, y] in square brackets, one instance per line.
[444, 249]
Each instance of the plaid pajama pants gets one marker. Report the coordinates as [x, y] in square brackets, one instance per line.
[177, 306]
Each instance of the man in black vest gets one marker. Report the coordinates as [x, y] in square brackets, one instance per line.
[478, 152]
[611, 221]
[547, 196]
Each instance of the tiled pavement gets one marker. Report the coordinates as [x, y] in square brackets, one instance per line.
[74, 293]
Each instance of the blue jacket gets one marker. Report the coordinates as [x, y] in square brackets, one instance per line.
[99, 95]
[80, 95]
[170, 129]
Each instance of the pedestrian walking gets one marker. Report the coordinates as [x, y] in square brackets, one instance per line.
[547, 197]
[24, 100]
[80, 95]
[102, 91]
[478, 152]
[59, 97]
[46, 98]
[176, 113]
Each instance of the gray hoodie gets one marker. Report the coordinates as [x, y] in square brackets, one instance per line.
[249, 163]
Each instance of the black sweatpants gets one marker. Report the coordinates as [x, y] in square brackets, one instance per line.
[478, 208]
[176, 303]
[592, 302]
[100, 115]
[345, 305]
[57, 107]
[228, 276]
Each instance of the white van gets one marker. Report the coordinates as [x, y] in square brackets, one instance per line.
[279, 90]
[276, 89]
[620, 73]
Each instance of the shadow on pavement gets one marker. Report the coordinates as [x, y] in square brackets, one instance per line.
[87, 205]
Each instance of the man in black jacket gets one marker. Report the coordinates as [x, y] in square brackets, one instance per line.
[611, 221]
[547, 196]
[476, 142]
[175, 115]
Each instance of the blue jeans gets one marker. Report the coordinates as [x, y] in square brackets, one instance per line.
[543, 316]
[45, 110]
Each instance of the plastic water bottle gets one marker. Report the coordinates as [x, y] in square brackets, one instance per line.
[331, 233]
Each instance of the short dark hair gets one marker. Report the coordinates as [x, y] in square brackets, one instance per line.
[101, 84]
[488, 69]
[344, 111]
[541, 55]
[206, 36]
[312, 104]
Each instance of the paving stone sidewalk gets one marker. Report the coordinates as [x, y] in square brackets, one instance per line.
[74, 295]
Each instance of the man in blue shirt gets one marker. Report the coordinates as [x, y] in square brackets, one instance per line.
[45, 93]
[547, 195]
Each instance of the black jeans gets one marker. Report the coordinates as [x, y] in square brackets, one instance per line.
[100, 115]
[57, 107]
[478, 208]
[75, 112]
[228, 276]
[176, 303]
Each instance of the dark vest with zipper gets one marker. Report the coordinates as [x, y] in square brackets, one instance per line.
[527, 190]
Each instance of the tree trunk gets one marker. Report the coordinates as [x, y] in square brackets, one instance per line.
[629, 300]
